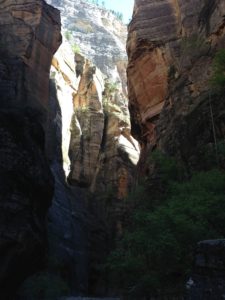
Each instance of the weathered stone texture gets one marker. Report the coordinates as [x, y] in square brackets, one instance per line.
[95, 124]
[99, 35]
[91, 148]
[171, 45]
[29, 35]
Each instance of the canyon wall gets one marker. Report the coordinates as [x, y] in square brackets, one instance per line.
[171, 46]
[101, 145]
[96, 33]
[90, 149]
[92, 153]
[29, 35]
[175, 105]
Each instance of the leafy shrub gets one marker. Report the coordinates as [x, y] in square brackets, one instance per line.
[211, 157]
[155, 255]
[170, 169]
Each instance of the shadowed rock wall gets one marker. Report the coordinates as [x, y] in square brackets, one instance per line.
[29, 35]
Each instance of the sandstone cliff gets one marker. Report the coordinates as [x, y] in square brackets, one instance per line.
[91, 149]
[29, 35]
[90, 146]
[91, 123]
[175, 108]
[100, 118]
[171, 45]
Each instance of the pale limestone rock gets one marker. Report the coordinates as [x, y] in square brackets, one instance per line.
[66, 83]
[99, 35]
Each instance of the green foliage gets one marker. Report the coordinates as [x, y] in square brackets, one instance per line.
[45, 286]
[111, 87]
[218, 77]
[117, 14]
[210, 157]
[75, 48]
[170, 169]
[68, 35]
[155, 255]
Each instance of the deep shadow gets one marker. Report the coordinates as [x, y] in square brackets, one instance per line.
[67, 218]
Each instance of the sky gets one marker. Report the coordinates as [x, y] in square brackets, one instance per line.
[123, 6]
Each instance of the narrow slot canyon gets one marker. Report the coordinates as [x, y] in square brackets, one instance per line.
[112, 150]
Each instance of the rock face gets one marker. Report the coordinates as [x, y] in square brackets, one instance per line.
[97, 34]
[100, 133]
[67, 218]
[92, 150]
[99, 120]
[208, 279]
[29, 35]
[174, 108]
[95, 123]
[100, 115]
[171, 45]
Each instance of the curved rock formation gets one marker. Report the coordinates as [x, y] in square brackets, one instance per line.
[171, 45]
[29, 35]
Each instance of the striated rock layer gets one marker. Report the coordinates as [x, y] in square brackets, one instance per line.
[93, 151]
[97, 34]
[171, 45]
[29, 35]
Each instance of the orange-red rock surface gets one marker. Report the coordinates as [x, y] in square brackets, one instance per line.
[171, 45]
